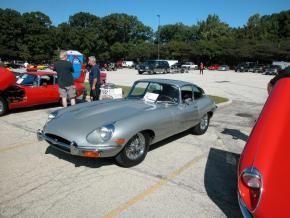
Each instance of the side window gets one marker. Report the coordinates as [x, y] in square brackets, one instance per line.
[154, 88]
[197, 92]
[139, 89]
[186, 93]
[46, 80]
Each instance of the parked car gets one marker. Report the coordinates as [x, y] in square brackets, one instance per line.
[128, 64]
[153, 110]
[177, 65]
[154, 66]
[263, 172]
[258, 68]
[223, 67]
[214, 67]
[245, 67]
[272, 70]
[30, 89]
[189, 66]
[177, 68]
[14, 64]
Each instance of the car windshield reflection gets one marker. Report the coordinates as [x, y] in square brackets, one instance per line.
[27, 80]
[154, 92]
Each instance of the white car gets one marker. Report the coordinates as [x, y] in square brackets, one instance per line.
[128, 64]
[189, 66]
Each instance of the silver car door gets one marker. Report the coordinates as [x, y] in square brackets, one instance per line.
[188, 108]
[188, 115]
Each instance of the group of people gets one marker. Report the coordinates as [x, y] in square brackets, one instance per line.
[67, 90]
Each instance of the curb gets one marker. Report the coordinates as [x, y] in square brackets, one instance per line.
[221, 105]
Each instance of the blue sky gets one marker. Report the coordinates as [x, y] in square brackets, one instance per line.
[233, 12]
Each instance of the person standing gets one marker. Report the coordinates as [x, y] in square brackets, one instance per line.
[94, 79]
[201, 67]
[64, 70]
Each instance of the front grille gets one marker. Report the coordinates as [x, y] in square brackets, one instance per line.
[67, 150]
[58, 139]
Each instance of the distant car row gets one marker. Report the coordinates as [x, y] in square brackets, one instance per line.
[258, 68]
[163, 66]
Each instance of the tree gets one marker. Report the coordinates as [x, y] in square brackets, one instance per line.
[37, 36]
[213, 28]
[10, 33]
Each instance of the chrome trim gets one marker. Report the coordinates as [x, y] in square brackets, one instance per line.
[74, 149]
[254, 172]
[246, 213]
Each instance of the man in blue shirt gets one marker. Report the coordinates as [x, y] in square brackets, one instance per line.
[94, 79]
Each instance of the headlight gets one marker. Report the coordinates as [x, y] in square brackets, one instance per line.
[101, 134]
[146, 68]
[106, 133]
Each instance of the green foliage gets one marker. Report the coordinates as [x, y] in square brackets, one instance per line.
[31, 36]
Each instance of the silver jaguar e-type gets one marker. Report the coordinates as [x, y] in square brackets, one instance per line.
[125, 128]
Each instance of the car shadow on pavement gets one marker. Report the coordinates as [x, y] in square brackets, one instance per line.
[220, 181]
[79, 161]
[236, 134]
[168, 140]
[40, 107]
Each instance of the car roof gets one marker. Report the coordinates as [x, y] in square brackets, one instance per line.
[178, 83]
[40, 73]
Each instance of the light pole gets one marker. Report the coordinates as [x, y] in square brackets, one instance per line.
[158, 46]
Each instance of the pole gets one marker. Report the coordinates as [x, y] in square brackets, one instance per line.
[158, 49]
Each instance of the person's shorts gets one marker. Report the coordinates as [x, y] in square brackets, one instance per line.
[68, 92]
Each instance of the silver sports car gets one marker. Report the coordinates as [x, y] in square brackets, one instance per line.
[125, 128]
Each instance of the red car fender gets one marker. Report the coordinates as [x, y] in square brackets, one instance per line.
[268, 150]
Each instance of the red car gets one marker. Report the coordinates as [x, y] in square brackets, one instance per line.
[264, 168]
[31, 88]
[214, 67]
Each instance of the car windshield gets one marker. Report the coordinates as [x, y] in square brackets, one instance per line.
[154, 92]
[27, 80]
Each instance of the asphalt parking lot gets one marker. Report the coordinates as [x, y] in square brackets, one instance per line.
[183, 176]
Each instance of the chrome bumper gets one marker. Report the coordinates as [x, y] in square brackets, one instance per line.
[74, 149]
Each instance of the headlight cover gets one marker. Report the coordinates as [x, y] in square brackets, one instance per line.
[101, 134]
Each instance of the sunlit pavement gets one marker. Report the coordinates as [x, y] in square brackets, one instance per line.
[183, 176]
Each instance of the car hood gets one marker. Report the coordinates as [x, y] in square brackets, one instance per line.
[86, 117]
[7, 79]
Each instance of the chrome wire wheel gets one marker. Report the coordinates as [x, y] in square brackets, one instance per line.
[136, 147]
[204, 122]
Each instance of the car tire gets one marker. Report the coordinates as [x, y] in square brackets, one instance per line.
[202, 127]
[140, 72]
[134, 151]
[3, 106]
